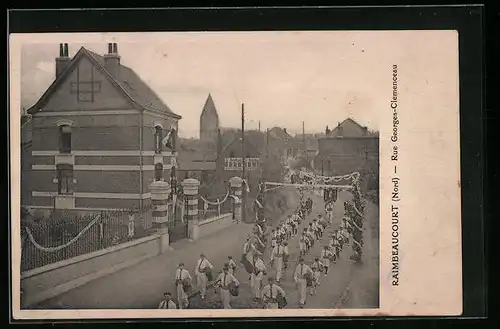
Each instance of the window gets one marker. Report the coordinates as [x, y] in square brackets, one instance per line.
[85, 87]
[158, 171]
[158, 133]
[65, 179]
[65, 139]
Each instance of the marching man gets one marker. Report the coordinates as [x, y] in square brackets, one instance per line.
[271, 294]
[182, 282]
[329, 212]
[317, 268]
[256, 279]
[302, 245]
[202, 270]
[225, 281]
[327, 257]
[232, 264]
[277, 260]
[303, 273]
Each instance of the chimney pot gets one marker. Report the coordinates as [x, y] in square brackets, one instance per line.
[115, 48]
[61, 50]
[110, 48]
[66, 52]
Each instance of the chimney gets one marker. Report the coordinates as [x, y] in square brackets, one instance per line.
[112, 60]
[63, 60]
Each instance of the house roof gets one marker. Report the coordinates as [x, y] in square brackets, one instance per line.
[249, 146]
[128, 82]
[279, 133]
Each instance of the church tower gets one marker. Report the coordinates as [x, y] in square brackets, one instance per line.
[209, 122]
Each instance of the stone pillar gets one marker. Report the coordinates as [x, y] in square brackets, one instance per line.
[236, 190]
[160, 192]
[190, 186]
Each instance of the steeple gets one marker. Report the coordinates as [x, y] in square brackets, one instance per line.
[209, 107]
[209, 122]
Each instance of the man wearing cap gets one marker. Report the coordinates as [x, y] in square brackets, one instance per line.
[302, 271]
[302, 245]
[271, 294]
[326, 257]
[224, 281]
[202, 267]
[329, 212]
[232, 264]
[182, 281]
[277, 260]
[256, 278]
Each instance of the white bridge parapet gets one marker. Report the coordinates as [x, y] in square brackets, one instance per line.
[312, 186]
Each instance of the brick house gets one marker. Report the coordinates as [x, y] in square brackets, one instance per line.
[98, 136]
[347, 148]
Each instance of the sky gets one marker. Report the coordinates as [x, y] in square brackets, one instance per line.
[283, 78]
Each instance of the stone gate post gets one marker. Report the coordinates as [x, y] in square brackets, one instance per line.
[190, 187]
[236, 184]
[160, 191]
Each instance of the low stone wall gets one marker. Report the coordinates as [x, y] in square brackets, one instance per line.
[212, 225]
[54, 279]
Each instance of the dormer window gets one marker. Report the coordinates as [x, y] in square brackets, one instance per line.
[65, 139]
[158, 136]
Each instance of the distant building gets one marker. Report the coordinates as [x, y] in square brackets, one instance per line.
[209, 122]
[346, 148]
[97, 136]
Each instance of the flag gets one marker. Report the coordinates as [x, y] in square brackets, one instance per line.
[259, 204]
[169, 140]
[246, 185]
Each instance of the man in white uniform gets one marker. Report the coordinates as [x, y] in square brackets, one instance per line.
[182, 281]
[224, 281]
[329, 212]
[326, 257]
[271, 294]
[277, 260]
[301, 272]
[202, 266]
[256, 279]
[232, 264]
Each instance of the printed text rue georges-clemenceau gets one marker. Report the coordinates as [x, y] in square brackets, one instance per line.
[395, 196]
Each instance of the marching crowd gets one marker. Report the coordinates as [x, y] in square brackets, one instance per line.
[271, 295]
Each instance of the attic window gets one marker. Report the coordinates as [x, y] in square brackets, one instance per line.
[85, 85]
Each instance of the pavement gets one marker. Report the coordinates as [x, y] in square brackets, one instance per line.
[347, 285]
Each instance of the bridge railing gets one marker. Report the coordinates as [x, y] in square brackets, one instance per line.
[63, 236]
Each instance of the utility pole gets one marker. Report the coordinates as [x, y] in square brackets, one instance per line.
[304, 139]
[243, 159]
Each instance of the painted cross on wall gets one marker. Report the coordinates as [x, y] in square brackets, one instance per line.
[85, 86]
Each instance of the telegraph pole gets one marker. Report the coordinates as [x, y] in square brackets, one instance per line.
[243, 158]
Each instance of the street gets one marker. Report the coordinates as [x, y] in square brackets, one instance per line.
[333, 291]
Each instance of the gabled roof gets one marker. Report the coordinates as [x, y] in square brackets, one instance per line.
[279, 133]
[209, 107]
[128, 83]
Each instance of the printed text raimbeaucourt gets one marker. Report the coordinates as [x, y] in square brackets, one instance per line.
[395, 196]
